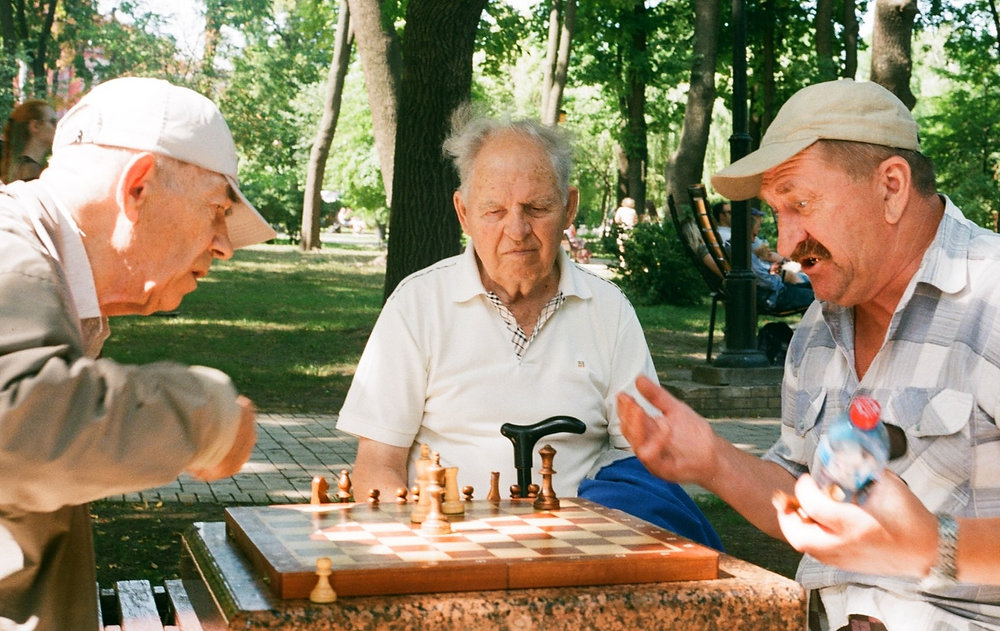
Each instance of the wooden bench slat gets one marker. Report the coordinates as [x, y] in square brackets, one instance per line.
[137, 606]
[184, 614]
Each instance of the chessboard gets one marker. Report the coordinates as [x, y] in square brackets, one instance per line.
[375, 550]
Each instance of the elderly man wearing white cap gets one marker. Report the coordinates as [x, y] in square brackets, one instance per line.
[140, 196]
[908, 291]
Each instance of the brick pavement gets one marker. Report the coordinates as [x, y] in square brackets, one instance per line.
[292, 448]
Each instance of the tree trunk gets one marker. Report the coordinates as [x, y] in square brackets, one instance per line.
[437, 76]
[891, 39]
[39, 57]
[213, 24]
[378, 47]
[634, 101]
[824, 40]
[557, 59]
[8, 64]
[850, 19]
[324, 134]
[549, 68]
[686, 164]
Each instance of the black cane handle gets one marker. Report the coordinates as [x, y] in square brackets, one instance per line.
[524, 438]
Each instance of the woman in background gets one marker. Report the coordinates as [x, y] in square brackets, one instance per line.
[27, 140]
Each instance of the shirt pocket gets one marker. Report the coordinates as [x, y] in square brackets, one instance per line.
[939, 458]
[807, 406]
[930, 414]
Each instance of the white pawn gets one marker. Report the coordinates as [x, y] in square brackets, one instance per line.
[323, 592]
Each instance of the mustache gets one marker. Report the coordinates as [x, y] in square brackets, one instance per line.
[809, 249]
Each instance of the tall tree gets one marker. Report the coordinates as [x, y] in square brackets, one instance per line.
[324, 134]
[381, 59]
[437, 76]
[851, 26]
[685, 165]
[824, 40]
[634, 142]
[562, 23]
[265, 101]
[892, 64]
[26, 26]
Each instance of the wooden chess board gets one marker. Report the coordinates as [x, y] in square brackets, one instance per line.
[509, 545]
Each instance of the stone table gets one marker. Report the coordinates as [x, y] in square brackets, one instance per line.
[228, 593]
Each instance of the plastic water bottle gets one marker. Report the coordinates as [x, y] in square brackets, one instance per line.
[853, 452]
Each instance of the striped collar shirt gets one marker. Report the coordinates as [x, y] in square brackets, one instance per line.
[936, 376]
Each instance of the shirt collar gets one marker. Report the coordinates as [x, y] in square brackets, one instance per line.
[470, 284]
[945, 264]
[73, 254]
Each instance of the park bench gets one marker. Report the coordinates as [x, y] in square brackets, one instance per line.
[137, 605]
[699, 235]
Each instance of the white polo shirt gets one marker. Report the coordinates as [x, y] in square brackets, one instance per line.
[440, 369]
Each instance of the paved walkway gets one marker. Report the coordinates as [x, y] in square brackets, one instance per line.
[293, 448]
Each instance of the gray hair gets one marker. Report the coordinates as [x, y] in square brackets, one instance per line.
[470, 131]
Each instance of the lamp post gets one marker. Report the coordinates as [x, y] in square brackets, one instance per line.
[741, 310]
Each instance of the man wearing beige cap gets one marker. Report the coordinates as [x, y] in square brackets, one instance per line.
[140, 196]
[907, 293]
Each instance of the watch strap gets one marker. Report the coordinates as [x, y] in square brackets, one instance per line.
[944, 572]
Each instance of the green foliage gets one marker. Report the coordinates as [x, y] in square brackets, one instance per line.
[654, 268]
[353, 166]
[271, 100]
[960, 128]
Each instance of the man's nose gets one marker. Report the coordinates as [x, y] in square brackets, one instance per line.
[517, 226]
[222, 247]
[790, 234]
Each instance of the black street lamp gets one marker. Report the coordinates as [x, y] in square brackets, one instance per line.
[741, 310]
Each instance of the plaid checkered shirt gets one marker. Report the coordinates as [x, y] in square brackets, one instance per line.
[937, 376]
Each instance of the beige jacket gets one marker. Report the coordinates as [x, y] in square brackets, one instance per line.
[74, 428]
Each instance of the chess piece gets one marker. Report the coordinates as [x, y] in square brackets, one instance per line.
[515, 491]
[467, 493]
[434, 522]
[532, 491]
[373, 496]
[547, 499]
[323, 592]
[319, 489]
[401, 495]
[344, 492]
[494, 494]
[423, 462]
[421, 502]
[452, 504]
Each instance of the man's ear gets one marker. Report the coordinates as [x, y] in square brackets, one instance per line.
[133, 185]
[572, 205]
[894, 177]
[460, 209]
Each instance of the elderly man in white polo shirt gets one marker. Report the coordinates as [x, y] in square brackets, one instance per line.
[511, 331]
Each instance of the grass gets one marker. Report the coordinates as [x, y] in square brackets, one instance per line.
[289, 327]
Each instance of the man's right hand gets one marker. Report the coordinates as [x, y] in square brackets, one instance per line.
[239, 453]
[679, 445]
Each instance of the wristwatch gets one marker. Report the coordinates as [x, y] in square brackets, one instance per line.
[944, 572]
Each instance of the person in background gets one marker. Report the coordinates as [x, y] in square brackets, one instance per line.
[27, 140]
[140, 196]
[907, 290]
[510, 331]
[723, 214]
[626, 215]
[777, 289]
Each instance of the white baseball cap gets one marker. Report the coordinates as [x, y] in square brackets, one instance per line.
[155, 115]
[835, 110]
